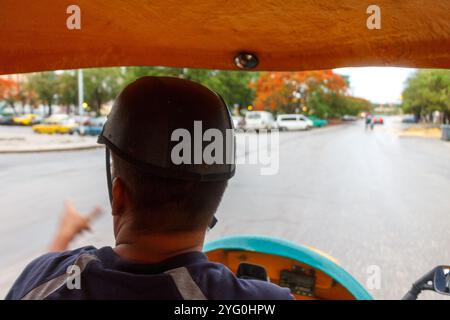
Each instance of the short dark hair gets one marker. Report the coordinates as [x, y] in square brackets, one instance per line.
[166, 204]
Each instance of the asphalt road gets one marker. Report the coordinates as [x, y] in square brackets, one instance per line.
[365, 198]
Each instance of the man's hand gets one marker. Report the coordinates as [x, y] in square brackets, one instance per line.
[72, 224]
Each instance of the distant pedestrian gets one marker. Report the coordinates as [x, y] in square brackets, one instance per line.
[369, 121]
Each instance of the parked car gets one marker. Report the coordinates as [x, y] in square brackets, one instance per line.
[82, 120]
[317, 122]
[290, 122]
[256, 120]
[6, 119]
[238, 122]
[308, 121]
[409, 119]
[378, 120]
[56, 124]
[92, 127]
[348, 117]
[27, 119]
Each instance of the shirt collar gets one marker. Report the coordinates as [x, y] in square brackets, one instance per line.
[110, 259]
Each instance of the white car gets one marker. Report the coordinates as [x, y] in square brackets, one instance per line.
[238, 122]
[308, 121]
[256, 120]
[292, 122]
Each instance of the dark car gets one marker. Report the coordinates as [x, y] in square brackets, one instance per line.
[409, 119]
[6, 119]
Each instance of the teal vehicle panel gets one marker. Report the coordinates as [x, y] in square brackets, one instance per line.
[317, 122]
[290, 250]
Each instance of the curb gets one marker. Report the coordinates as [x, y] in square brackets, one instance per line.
[96, 146]
[51, 149]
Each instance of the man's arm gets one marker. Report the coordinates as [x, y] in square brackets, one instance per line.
[72, 223]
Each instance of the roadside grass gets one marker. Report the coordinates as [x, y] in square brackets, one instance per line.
[426, 132]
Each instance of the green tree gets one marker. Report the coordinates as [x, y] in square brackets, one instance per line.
[101, 85]
[132, 73]
[427, 91]
[45, 84]
[318, 104]
[340, 105]
[233, 86]
[68, 89]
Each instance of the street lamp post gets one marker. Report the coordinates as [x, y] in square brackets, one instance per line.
[80, 91]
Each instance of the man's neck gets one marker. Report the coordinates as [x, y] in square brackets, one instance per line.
[153, 248]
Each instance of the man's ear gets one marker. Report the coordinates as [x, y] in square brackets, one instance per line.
[118, 195]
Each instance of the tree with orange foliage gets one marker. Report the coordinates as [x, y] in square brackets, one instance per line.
[13, 92]
[9, 91]
[294, 91]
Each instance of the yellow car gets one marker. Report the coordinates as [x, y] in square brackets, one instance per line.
[56, 125]
[26, 120]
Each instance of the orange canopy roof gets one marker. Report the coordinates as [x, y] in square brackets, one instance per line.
[285, 35]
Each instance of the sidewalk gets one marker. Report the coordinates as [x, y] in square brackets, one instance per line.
[24, 140]
[421, 131]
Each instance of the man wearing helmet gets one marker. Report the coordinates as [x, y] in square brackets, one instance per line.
[161, 209]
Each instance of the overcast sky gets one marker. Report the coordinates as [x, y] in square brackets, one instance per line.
[377, 84]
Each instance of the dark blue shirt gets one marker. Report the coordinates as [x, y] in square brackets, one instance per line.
[104, 275]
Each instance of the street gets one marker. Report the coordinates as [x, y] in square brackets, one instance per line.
[365, 198]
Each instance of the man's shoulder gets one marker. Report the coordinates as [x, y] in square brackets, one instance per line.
[44, 269]
[57, 262]
[220, 283]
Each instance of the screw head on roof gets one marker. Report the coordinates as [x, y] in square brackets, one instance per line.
[246, 60]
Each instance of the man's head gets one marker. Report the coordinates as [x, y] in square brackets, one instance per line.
[148, 190]
[160, 205]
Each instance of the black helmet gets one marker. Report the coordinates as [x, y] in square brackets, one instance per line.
[144, 117]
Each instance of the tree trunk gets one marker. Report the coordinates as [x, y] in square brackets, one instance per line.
[99, 105]
[446, 118]
[417, 115]
[13, 106]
